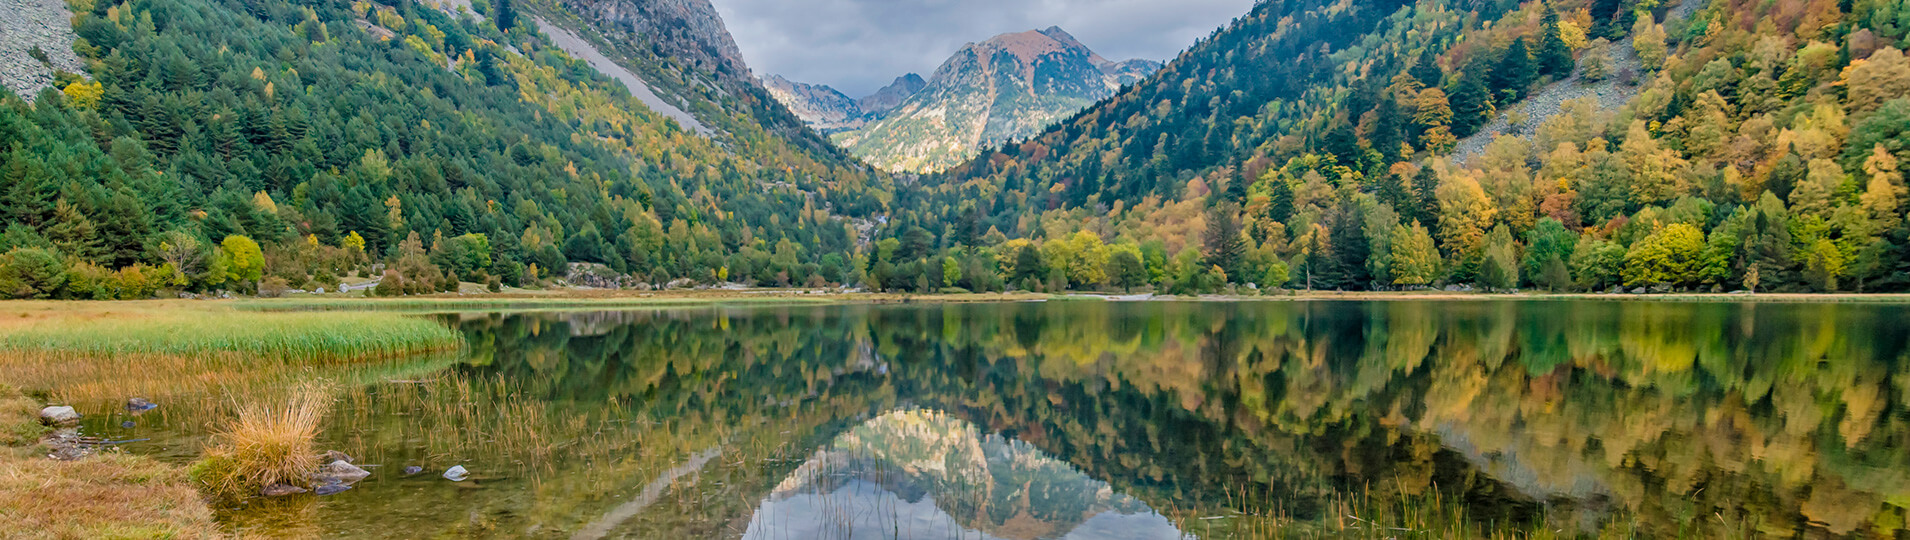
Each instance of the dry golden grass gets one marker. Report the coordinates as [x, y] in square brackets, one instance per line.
[265, 445]
[112, 495]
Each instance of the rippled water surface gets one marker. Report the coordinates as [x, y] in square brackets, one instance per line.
[1120, 420]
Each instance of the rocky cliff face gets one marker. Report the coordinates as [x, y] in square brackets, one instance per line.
[820, 106]
[688, 30]
[830, 111]
[1009, 87]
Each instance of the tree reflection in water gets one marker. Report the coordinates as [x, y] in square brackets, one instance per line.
[1663, 418]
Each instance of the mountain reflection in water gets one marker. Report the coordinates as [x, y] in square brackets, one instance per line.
[1122, 420]
[923, 475]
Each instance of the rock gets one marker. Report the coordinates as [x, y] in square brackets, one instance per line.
[414, 469]
[339, 472]
[127, 424]
[66, 444]
[59, 415]
[1639, 290]
[140, 405]
[334, 455]
[329, 489]
[281, 490]
[456, 473]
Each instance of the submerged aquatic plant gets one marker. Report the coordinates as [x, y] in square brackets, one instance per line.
[265, 445]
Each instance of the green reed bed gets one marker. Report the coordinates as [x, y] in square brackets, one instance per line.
[280, 336]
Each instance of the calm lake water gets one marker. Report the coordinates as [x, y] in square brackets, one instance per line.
[1149, 420]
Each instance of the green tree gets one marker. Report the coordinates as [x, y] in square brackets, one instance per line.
[1500, 268]
[1553, 56]
[1597, 263]
[245, 263]
[1223, 246]
[31, 273]
[1824, 264]
[1673, 256]
[1125, 268]
[951, 272]
[1415, 258]
[1547, 242]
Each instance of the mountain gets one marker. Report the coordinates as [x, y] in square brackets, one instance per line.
[892, 96]
[1009, 87]
[1584, 145]
[307, 142]
[829, 111]
[820, 106]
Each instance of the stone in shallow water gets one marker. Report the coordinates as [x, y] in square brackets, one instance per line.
[456, 473]
[281, 490]
[329, 489]
[414, 469]
[334, 455]
[140, 405]
[339, 472]
[59, 415]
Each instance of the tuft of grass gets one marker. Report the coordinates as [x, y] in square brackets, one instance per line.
[265, 445]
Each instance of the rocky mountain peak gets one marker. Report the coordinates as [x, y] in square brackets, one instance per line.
[1007, 87]
[892, 95]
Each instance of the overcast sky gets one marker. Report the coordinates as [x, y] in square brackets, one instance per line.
[858, 46]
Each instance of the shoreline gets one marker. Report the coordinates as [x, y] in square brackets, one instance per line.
[610, 299]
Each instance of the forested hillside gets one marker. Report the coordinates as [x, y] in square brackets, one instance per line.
[220, 144]
[1308, 145]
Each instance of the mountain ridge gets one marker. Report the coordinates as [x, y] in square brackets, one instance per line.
[1008, 87]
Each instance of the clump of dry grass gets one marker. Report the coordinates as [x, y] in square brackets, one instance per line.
[265, 445]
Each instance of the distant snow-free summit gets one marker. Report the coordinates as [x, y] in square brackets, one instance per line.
[1009, 87]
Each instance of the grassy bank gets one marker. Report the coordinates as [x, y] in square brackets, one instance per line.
[113, 495]
[204, 360]
[84, 351]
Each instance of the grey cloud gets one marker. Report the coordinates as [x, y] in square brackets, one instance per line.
[858, 46]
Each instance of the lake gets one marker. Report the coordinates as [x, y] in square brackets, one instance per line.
[1088, 419]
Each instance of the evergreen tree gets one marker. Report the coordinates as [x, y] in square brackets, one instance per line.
[1513, 74]
[1222, 245]
[1553, 57]
[506, 14]
[1427, 71]
[1471, 104]
[1425, 208]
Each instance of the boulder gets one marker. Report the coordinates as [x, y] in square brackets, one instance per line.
[281, 490]
[339, 472]
[456, 473]
[59, 415]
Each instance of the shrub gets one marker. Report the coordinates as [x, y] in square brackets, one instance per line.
[391, 285]
[274, 287]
